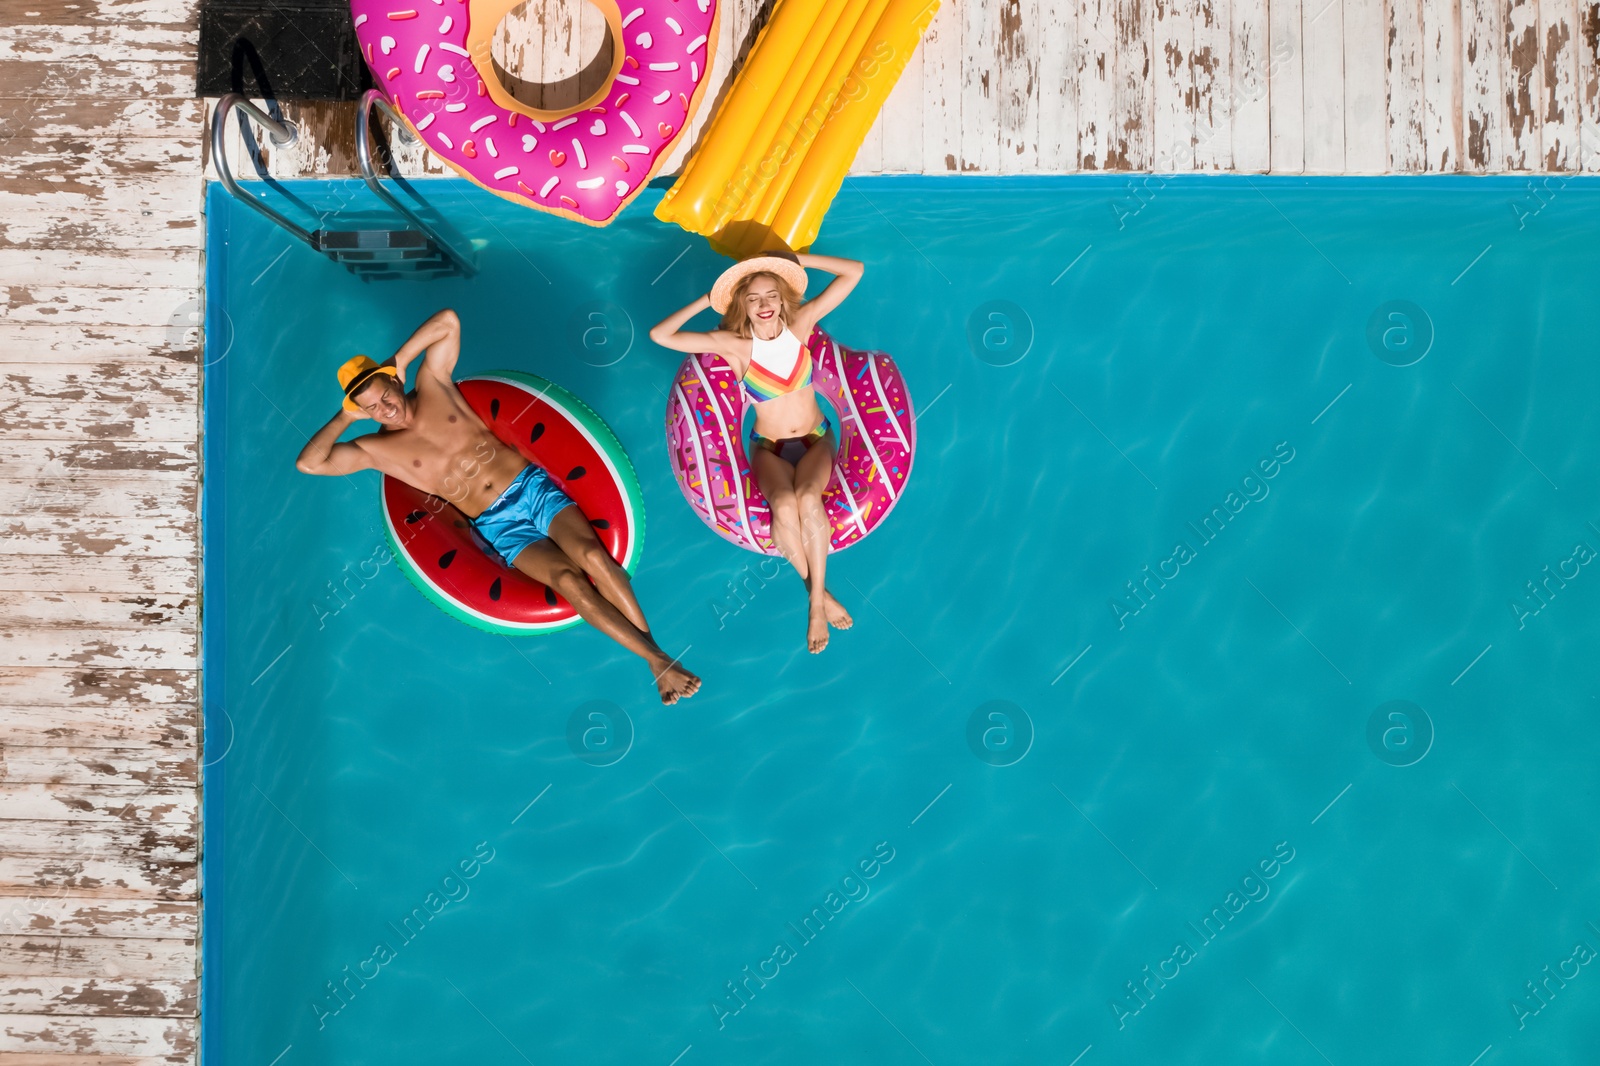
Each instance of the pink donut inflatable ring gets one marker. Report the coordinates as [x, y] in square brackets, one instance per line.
[877, 442]
[431, 59]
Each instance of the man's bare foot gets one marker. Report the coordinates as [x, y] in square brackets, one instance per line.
[817, 628]
[838, 617]
[675, 683]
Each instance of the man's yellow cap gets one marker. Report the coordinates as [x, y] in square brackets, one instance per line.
[355, 373]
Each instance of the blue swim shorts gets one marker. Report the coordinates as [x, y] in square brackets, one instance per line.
[522, 514]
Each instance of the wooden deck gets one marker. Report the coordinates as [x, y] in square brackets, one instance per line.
[100, 231]
[100, 254]
[1255, 86]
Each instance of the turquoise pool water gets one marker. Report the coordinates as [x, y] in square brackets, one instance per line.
[1222, 691]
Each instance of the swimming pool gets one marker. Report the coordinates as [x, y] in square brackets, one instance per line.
[1218, 691]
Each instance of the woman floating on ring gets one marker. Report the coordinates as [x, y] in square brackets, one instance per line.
[793, 447]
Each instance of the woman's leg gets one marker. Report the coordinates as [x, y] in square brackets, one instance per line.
[816, 532]
[775, 477]
[545, 562]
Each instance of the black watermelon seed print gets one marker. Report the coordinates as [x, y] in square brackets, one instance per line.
[494, 409]
[600, 523]
[415, 516]
[538, 431]
[446, 559]
[550, 595]
[494, 590]
[575, 473]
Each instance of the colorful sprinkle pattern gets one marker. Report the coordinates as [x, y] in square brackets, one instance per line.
[877, 442]
[586, 165]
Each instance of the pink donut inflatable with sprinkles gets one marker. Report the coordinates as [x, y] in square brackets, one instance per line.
[877, 444]
[431, 59]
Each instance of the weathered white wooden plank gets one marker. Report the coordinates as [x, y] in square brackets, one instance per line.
[85, 840]
[67, 538]
[97, 803]
[1017, 72]
[1172, 85]
[113, 118]
[718, 81]
[28, 955]
[1061, 59]
[1133, 105]
[128, 41]
[1286, 85]
[1482, 42]
[1443, 109]
[1522, 83]
[172, 1039]
[141, 722]
[593, 49]
[157, 768]
[1366, 121]
[96, 612]
[58, 420]
[65, 914]
[24, 84]
[35, 1058]
[869, 157]
[1096, 84]
[1252, 64]
[557, 38]
[1324, 85]
[163, 270]
[129, 994]
[137, 349]
[129, 498]
[88, 164]
[1215, 96]
[49, 13]
[171, 384]
[1559, 107]
[979, 133]
[122, 700]
[941, 81]
[899, 124]
[1589, 85]
[144, 649]
[1403, 66]
[109, 874]
[79, 957]
[112, 459]
[23, 571]
[149, 213]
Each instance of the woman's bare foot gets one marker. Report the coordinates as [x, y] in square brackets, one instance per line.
[674, 682]
[838, 617]
[817, 628]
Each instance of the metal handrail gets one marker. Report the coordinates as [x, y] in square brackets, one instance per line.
[371, 99]
[283, 133]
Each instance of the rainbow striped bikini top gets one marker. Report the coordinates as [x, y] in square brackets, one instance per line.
[777, 367]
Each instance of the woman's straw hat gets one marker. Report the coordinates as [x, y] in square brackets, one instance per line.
[783, 264]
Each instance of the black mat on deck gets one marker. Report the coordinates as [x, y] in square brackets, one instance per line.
[297, 50]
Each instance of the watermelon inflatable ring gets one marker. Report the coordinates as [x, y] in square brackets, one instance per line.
[449, 561]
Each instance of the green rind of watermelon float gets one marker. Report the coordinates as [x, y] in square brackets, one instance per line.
[451, 564]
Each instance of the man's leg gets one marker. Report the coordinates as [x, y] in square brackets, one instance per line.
[572, 533]
[544, 561]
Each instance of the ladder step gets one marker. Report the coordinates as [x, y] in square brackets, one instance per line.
[331, 240]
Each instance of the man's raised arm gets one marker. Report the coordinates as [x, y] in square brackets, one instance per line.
[440, 337]
[323, 454]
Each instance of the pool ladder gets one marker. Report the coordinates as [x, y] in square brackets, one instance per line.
[418, 249]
